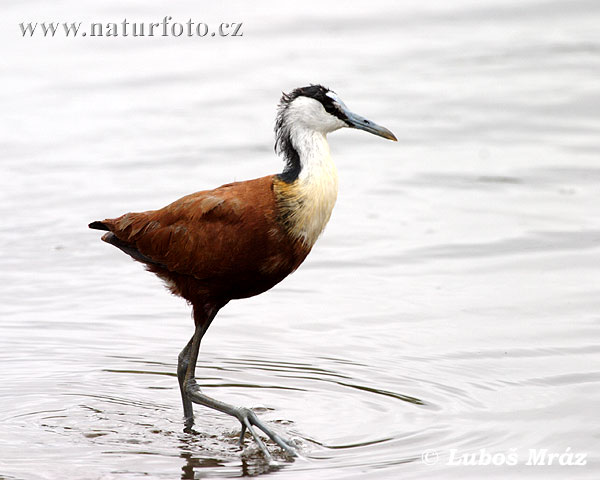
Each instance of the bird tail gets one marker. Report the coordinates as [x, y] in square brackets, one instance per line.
[97, 225]
[129, 248]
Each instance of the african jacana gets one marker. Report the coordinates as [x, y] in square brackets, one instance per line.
[241, 239]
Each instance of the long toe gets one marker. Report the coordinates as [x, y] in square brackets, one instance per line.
[249, 420]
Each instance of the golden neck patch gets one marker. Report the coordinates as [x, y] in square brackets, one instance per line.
[305, 205]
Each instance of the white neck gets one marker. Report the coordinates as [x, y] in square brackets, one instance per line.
[317, 183]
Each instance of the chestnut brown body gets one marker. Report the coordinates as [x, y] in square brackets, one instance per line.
[216, 245]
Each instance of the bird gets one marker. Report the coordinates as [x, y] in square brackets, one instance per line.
[241, 239]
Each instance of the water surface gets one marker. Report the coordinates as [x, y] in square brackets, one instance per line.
[452, 302]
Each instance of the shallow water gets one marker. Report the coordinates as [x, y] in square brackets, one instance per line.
[452, 302]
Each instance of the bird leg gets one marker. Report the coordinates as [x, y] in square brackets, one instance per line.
[191, 393]
[182, 367]
[246, 416]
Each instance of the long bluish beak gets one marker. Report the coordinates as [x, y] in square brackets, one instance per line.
[356, 121]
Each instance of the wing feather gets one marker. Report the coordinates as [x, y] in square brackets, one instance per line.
[207, 234]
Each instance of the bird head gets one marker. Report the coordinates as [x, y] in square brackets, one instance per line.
[320, 109]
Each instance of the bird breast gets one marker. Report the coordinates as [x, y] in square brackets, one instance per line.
[305, 205]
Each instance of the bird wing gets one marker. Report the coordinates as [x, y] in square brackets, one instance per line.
[206, 234]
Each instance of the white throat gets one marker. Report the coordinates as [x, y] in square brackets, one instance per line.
[309, 197]
[316, 187]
